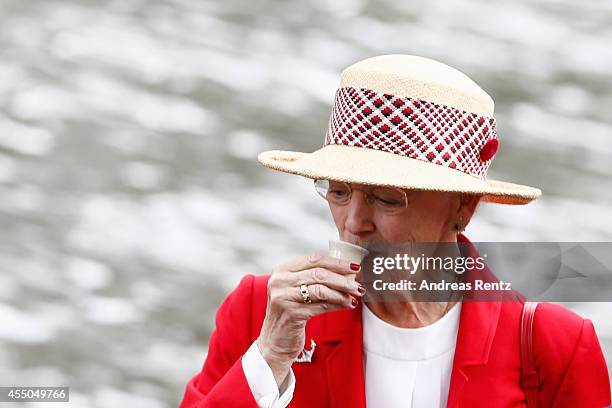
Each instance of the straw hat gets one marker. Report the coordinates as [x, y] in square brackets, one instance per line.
[408, 122]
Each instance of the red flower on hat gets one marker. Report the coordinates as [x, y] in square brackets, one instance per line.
[489, 149]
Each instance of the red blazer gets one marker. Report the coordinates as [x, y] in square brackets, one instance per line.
[486, 365]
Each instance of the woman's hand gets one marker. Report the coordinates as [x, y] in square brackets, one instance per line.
[332, 286]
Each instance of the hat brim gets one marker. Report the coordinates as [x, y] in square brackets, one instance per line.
[367, 166]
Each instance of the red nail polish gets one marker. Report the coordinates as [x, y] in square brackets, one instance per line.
[355, 267]
[361, 289]
[354, 302]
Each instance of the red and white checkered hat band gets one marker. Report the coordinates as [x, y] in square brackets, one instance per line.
[413, 128]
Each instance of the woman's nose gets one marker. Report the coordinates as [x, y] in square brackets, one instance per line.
[359, 217]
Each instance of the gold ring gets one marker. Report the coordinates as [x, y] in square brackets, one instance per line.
[305, 293]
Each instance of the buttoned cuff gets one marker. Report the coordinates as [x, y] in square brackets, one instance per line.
[262, 383]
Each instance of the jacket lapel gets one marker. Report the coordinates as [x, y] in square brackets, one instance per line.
[345, 362]
[477, 327]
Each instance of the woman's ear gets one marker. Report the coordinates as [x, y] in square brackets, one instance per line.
[467, 208]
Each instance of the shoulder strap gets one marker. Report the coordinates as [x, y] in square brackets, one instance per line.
[529, 375]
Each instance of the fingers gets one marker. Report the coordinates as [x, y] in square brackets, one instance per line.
[322, 261]
[325, 300]
[330, 281]
[321, 294]
[341, 283]
[289, 300]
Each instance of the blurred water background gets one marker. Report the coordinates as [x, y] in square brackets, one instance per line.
[131, 200]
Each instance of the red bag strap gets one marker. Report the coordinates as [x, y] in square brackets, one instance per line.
[529, 376]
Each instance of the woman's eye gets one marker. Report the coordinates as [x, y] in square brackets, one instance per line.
[338, 193]
[389, 201]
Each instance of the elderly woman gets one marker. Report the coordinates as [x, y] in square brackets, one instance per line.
[404, 160]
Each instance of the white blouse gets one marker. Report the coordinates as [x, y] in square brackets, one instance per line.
[403, 367]
[408, 367]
